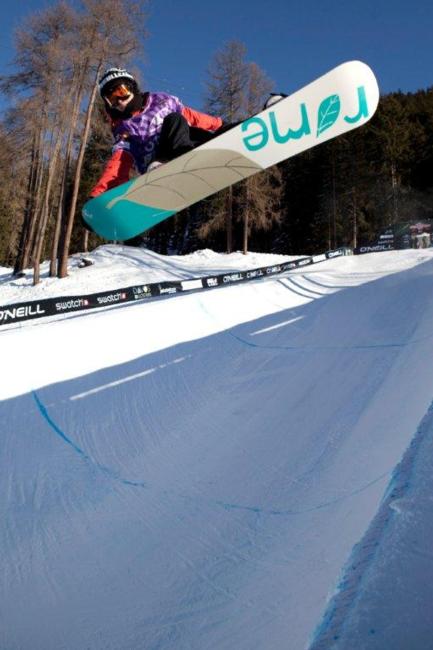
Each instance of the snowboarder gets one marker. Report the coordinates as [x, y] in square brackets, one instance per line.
[148, 128]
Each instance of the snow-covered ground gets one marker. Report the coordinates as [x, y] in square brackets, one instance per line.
[118, 266]
[248, 467]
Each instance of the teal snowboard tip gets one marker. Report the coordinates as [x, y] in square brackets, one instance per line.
[125, 219]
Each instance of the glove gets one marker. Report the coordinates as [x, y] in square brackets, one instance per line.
[273, 99]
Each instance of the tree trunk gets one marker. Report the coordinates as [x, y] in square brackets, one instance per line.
[40, 235]
[32, 210]
[394, 185]
[55, 251]
[355, 221]
[334, 204]
[63, 268]
[57, 229]
[25, 230]
[229, 220]
[85, 241]
[246, 217]
[38, 207]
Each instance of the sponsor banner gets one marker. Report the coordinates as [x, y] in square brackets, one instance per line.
[338, 253]
[142, 291]
[167, 288]
[319, 258]
[375, 248]
[190, 285]
[19, 312]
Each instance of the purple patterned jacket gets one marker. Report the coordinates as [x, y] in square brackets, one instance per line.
[142, 130]
[136, 138]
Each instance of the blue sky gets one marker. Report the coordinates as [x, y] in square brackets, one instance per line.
[293, 44]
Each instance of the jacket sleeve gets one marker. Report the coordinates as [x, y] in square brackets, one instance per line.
[115, 173]
[201, 120]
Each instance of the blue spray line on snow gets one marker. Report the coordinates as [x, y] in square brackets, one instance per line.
[319, 506]
[105, 470]
[349, 589]
[113, 475]
[314, 348]
[43, 410]
[323, 348]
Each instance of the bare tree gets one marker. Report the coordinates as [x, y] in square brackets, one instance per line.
[262, 192]
[226, 96]
[12, 197]
[60, 55]
[113, 29]
[40, 50]
[237, 89]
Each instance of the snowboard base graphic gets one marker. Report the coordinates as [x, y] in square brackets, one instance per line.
[341, 100]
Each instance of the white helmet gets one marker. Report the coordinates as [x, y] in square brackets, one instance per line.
[113, 74]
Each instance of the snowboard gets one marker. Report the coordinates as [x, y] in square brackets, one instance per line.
[339, 101]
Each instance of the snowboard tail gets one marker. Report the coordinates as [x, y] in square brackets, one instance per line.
[128, 218]
[341, 100]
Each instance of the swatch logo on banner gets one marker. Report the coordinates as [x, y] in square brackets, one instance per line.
[264, 129]
[113, 297]
[73, 303]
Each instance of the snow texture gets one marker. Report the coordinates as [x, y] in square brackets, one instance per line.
[248, 467]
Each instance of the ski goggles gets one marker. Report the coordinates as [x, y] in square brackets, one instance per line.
[119, 92]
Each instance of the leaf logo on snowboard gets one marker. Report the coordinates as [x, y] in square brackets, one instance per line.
[329, 110]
